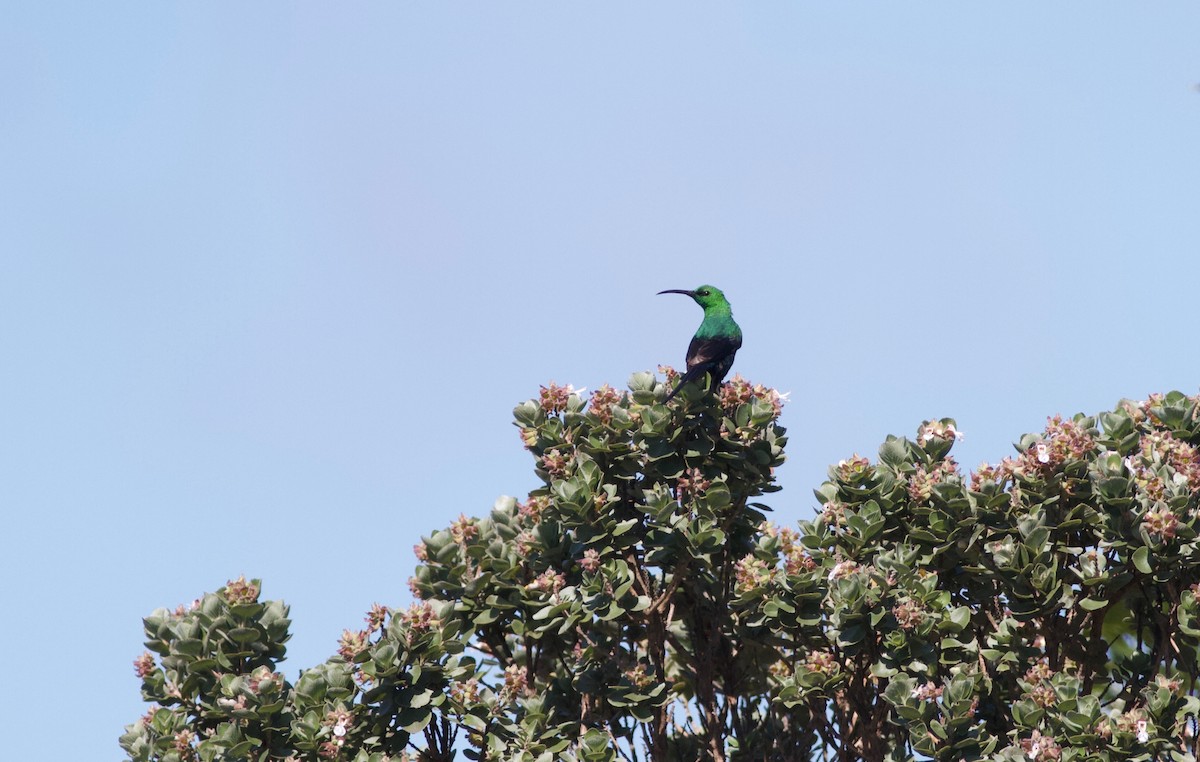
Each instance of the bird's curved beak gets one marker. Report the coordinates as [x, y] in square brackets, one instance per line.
[677, 291]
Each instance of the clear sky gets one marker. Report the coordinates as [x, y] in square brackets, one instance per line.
[273, 275]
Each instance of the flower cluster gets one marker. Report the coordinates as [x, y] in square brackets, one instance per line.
[909, 614]
[353, 643]
[603, 400]
[1183, 458]
[1039, 689]
[922, 482]
[787, 536]
[1134, 723]
[526, 542]
[147, 719]
[821, 661]
[795, 558]
[419, 617]
[182, 610]
[853, 470]
[927, 692]
[1161, 523]
[930, 430]
[338, 722]
[590, 562]
[986, 473]
[554, 398]
[738, 391]
[144, 665]
[516, 683]
[184, 745]
[531, 509]
[240, 591]
[555, 464]
[691, 484]
[463, 530]
[751, 573]
[465, 692]
[549, 581]
[1170, 683]
[376, 616]
[529, 436]
[1062, 441]
[798, 560]
[833, 513]
[1149, 483]
[842, 569]
[1040, 748]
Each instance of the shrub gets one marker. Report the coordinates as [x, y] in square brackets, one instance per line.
[638, 605]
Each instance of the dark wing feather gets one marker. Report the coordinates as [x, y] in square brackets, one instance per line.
[712, 355]
[708, 355]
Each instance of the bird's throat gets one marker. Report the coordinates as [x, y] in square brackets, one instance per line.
[719, 325]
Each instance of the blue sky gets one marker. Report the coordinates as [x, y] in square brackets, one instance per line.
[275, 274]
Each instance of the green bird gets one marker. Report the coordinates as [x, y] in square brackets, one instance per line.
[716, 341]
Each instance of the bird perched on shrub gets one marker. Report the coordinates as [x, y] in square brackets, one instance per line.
[716, 341]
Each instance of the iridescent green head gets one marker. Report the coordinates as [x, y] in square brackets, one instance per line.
[710, 298]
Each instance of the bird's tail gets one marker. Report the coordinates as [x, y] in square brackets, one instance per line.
[674, 391]
[688, 377]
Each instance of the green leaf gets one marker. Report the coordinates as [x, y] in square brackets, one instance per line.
[624, 526]
[245, 635]
[1141, 560]
[420, 718]
[421, 699]
[1092, 604]
[960, 617]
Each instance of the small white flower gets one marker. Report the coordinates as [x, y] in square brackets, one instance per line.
[1143, 735]
[1043, 454]
[936, 429]
[1035, 750]
[339, 729]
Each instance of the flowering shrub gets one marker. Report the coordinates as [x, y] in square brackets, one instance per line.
[638, 605]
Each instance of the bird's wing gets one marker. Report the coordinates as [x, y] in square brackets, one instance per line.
[707, 352]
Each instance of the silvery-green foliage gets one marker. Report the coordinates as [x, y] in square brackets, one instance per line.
[638, 605]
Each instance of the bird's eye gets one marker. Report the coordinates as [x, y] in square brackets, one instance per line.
[703, 293]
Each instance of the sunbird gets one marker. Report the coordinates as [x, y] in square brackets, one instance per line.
[716, 341]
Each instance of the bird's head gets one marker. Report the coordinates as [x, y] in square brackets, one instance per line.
[705, 296]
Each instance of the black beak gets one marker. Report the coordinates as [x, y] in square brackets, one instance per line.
[677, 291]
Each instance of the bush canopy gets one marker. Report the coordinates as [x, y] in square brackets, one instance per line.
[637, 605]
